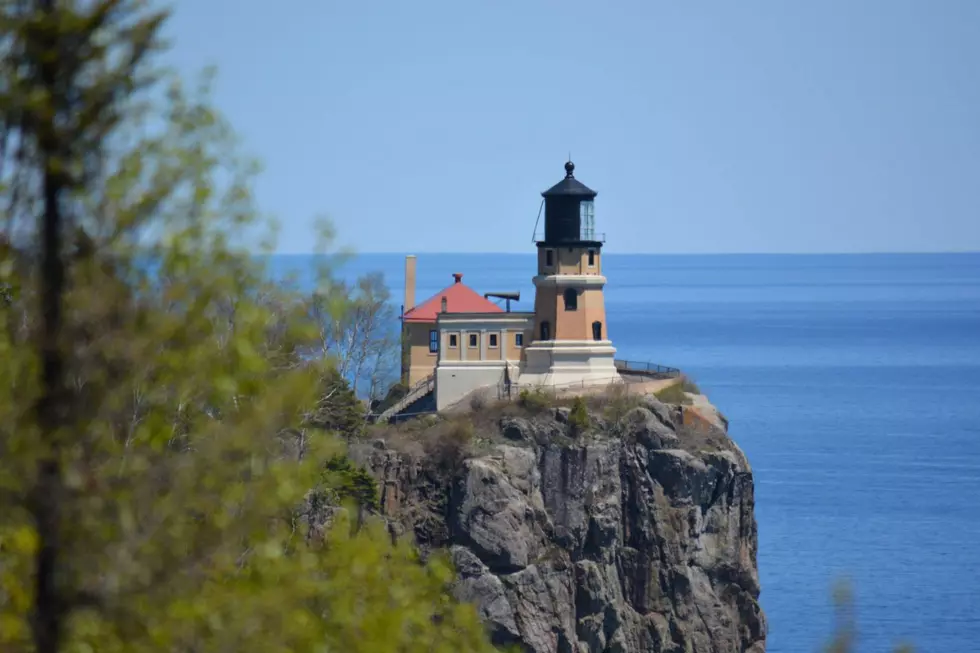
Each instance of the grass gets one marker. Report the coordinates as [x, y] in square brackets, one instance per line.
[673, 394]
[536, 400]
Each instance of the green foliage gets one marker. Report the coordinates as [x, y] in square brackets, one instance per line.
[338, 409]
[535, 400]
[689, 386]
[151, 378]
[578, 417]
[673, 394]
[616, 401]
[346, 481]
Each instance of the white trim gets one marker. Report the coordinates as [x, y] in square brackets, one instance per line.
[572, 346]
[578, 280]
[510, 321]
[493, 362]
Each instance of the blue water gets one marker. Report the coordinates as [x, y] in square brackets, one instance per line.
[853, 385]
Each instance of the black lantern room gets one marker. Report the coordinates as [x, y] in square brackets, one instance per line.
[569, 213]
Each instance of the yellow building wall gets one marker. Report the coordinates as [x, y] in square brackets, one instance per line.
[570, 260]
[511, 351]
[545, 310]
[451, 353]
[505, 349]
[549, 303]
[577, 324]
[421, 362]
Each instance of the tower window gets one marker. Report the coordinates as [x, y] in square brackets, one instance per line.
[545, 331]
[473, 340]
[519, 339]
[597, 330]
[493, 340]
[453, 340]
[549, 257]
[571, 299]
[433, 341]
[591, 258]
[587, 220]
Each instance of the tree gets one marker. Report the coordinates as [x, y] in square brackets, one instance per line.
[146, 500]
[363, 335]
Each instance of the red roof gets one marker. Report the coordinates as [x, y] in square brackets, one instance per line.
[460, 298]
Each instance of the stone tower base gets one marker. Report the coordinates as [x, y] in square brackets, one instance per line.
[567, 362]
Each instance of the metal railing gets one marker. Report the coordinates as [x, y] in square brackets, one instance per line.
[513, 390]
[584, 235]
[417, 390]
[648, 369]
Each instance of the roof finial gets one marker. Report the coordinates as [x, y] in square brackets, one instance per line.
[569, 168]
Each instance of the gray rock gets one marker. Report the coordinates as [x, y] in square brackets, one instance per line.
[498, 509]
[478, 586]
[658, 408]
[562, 413]
[607, 544]
[517, 429]
[649, 430]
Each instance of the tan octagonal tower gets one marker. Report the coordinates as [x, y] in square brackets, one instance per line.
[570, 342]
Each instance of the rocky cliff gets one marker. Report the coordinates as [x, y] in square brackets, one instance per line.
[628, 535]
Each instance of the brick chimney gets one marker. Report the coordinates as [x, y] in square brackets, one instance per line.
[409, 282]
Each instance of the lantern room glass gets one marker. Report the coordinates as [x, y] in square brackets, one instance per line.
[587, 216]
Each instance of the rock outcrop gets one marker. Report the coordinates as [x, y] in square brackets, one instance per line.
[623, 537]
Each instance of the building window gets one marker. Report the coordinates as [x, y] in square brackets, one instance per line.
[587, 220]
[591, 258]
[545, 331]
[519, 339]
[433, 341]
[571, 299]
[493, 340]
[597, 330]
[549, 257]
[452, 340]
[473, 341]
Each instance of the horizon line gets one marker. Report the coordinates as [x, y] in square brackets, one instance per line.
[531, 253]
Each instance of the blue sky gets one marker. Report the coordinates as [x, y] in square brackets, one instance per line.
[712, 126]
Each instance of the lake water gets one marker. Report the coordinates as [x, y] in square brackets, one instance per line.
[853, 385]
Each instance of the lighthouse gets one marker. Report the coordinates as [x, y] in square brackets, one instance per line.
[569, 342]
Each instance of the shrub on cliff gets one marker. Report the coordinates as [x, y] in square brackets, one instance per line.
[448, 443]
[578, 416]
[534, 400]
[148, 382]
[673, 394]
[344, 481]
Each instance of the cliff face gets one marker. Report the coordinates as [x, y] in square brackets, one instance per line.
[631, 536]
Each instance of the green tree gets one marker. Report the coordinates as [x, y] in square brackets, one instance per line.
[151, 380]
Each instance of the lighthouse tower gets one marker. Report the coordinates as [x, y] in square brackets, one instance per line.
[570, 342]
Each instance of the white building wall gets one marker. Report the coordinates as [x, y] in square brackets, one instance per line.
[564, 362]
[457, 379]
